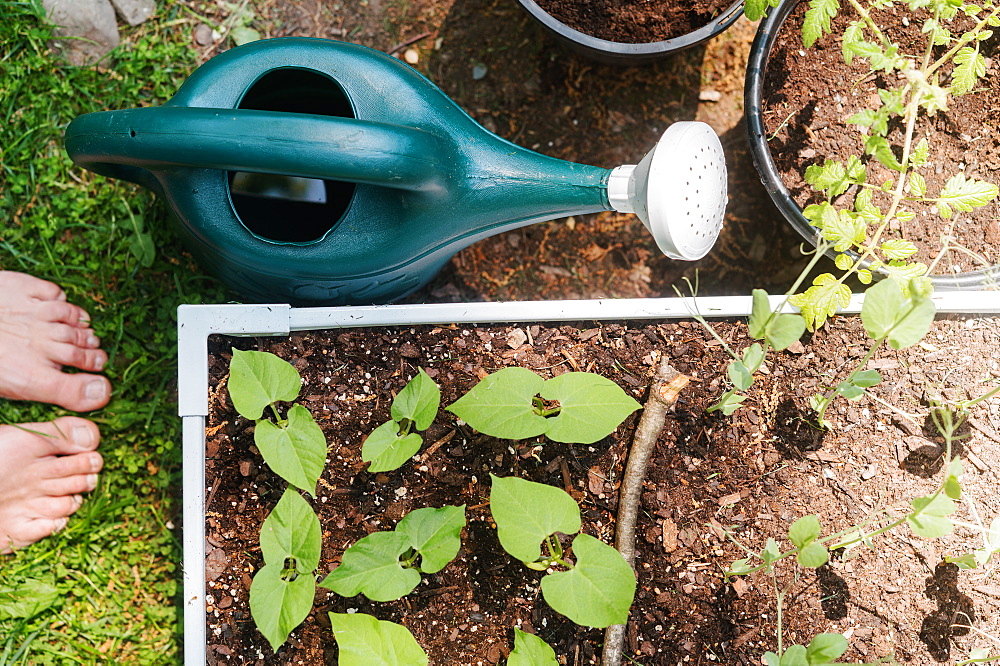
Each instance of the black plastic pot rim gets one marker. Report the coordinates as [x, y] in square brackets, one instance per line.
[625, 53]
[760, 54]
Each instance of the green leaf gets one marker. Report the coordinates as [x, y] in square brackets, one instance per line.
[753, 357]
[292, 530]
[921, 153]
[969, 66]
[366, 641]
[755, 9]
[897, 248]
[739, 567]
[771, 551]
[530, 650]
[964, 561]
[813, 555]
[804, 531]
[29, 598]
[598, 591]
[784, 329]
[740, 375]
[824, 648]
[849, 391]
[591, 407]
[817, 20]
[759, 314]
[501, 405]
[917, 184]
[527, 512]
[866, 378]
[794, 656]
[853, 34]
[845, 230]
[243, 35]
[418, 401]
[771, 659]
[952, 485]
[386, 450]
[434, 533]
[295, 450]
[879, 147]
[887, 313]
[831, 178]
[278, 605]
[823, 299]
[963, 194]
[258, 379]
[371, 567]
[728, 403]
[928, 518]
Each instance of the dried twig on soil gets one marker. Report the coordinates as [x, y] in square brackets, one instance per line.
[662, 395]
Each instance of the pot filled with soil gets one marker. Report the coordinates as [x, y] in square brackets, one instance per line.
[265, 536]
[631, 33]
[881, 144]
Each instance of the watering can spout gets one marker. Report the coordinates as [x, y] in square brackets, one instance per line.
[319, 172]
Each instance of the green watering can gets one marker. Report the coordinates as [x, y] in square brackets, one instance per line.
[317, 172]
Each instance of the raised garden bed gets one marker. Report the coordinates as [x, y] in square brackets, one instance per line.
[750, 473]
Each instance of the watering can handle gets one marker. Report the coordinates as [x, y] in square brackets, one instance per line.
[124, 144]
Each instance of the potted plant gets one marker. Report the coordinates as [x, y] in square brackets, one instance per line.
[631, 33]
[875, 117]
[484, 603]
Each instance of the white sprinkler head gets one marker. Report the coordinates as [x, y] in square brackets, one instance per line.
[678, 190]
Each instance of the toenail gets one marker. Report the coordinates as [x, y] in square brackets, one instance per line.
[78, 500]
[91, 481]
[83, 436]
[95, 465]
[92, 340]
[96, 390]
[60, 523]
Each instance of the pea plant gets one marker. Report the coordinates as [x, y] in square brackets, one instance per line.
[928, 517]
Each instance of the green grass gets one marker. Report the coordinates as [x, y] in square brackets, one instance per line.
[107, 588]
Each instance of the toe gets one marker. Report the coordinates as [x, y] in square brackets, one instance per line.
[66, 313]
[77, 391]
[61, 506]
[70, 486]
[30, 531]
[69, 354]
[65, 436]
[30, 286]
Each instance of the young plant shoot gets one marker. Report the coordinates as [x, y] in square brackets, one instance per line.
[515, 403]
[366, 641]
[391, 444]
[595, 591]
[293, 447]
[387, 565]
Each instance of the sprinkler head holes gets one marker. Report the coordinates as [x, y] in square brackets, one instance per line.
[678, 190]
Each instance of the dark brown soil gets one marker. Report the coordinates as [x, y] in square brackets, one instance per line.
[810, 93]
[753, 474]
[635, 21]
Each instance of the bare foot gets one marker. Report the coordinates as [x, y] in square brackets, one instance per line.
[40, 333]
[47, 466]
